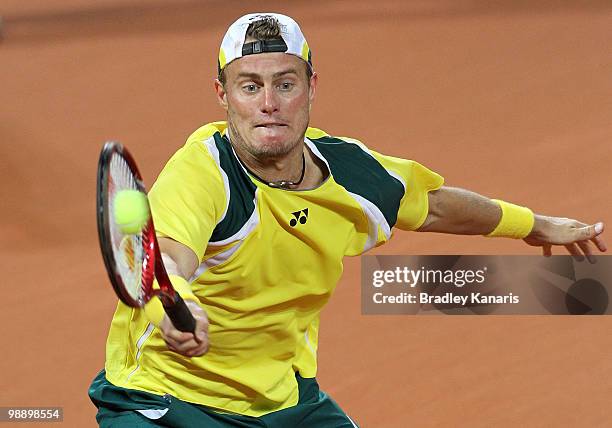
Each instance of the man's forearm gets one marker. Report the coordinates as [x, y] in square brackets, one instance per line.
[178, 258]
[460, 211]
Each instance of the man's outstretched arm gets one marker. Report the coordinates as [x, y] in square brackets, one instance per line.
[459, 211]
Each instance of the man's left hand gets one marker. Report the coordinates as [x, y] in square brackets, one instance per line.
[578, 238]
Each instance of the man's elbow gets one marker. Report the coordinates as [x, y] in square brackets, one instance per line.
[435, 210]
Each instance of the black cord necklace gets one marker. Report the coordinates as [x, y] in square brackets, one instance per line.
[282, 184]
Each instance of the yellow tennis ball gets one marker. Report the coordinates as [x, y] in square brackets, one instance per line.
[131, 211]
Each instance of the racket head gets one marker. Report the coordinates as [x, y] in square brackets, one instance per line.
[129, 258]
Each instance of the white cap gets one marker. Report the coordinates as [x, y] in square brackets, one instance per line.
[234, 47]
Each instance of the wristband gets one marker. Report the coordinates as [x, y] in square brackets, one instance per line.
[516, 221]
[154, 310]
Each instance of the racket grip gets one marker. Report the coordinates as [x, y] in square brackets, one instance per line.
[179, 314]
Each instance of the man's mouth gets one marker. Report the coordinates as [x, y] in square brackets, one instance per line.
[269, 125]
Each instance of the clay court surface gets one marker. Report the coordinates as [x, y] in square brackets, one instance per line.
[506, 98]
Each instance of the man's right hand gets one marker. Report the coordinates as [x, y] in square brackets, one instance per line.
[181, 260]
[185, 343]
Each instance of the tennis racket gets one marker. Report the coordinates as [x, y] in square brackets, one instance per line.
[133, 261]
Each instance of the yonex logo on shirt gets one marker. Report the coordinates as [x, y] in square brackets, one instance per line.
[300, 216]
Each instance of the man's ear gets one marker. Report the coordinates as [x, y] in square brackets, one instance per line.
[221, 94]
[313, 89]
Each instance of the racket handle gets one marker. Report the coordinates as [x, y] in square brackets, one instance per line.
[179, 314]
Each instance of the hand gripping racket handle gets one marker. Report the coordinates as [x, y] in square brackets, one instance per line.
[179, 314]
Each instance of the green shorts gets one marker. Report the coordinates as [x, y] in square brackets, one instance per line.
[121, 407]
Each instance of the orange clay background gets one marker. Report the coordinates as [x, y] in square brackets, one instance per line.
[506, 98]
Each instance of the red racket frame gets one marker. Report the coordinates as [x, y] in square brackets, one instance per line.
[152, 265]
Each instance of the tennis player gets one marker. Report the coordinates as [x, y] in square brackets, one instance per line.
[255, 215]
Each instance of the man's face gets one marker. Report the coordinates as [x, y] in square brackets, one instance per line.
[267, 98]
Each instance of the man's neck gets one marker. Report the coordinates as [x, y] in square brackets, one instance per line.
[288, 168]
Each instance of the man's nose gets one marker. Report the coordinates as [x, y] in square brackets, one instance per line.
[270, 100]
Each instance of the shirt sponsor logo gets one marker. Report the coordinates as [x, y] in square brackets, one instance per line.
[300, 217]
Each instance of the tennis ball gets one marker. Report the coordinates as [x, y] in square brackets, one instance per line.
[131, 211]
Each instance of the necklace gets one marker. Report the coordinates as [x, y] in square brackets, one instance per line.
[282, 184]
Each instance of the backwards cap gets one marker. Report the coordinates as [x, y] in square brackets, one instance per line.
[234, 47]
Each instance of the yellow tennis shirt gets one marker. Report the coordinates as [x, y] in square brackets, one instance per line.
[270, 260]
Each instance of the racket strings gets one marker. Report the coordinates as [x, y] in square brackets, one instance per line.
[128, 248]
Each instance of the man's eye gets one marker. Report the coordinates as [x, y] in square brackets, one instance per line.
[250, 88]
[286, 86]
